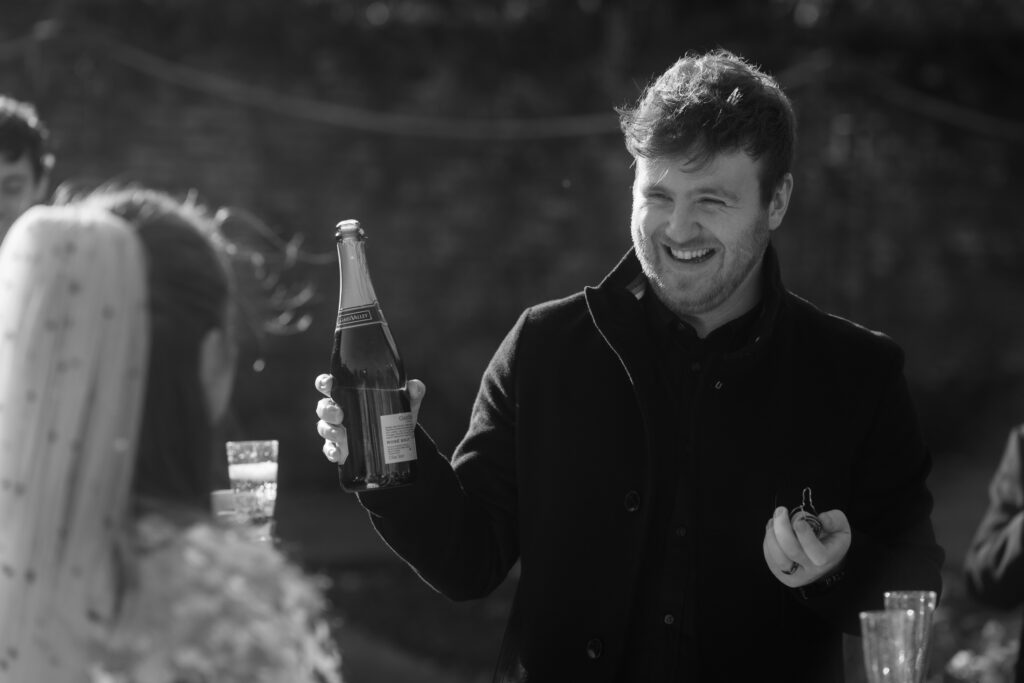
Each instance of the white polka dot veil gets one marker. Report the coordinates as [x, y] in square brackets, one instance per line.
[73, 354]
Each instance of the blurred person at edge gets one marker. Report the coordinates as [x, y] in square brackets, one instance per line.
[648, 449]
[994, 566]
[117, 357]
[25, 163]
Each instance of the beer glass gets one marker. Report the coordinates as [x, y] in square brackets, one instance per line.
[252, 469]
[923, 605]
[888, 639]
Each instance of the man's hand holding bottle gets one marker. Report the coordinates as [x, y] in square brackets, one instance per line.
[331, 427]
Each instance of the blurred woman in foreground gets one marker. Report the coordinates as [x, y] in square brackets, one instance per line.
[116, 359]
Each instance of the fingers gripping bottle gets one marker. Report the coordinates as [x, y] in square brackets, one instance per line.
[369, 380]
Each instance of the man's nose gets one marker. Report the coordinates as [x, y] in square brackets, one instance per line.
[683, 225]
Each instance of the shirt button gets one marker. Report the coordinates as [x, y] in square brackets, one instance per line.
[595, 648]
[680, 531]
[669, 620]
[695, 366]
[632, 501]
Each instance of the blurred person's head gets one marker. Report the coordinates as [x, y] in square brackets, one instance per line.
[712, 141]
[68, 271]
[116, 357]
[25, 161]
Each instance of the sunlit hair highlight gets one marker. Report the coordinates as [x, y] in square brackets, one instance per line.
[23, 134]
[705, 105]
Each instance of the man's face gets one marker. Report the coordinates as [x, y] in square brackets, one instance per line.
[700, 232]
[19, 190]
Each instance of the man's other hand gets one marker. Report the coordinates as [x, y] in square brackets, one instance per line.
[796, 555]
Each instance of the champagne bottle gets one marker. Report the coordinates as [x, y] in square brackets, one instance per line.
[369, 379]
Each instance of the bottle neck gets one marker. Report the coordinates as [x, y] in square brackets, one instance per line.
[356, 288]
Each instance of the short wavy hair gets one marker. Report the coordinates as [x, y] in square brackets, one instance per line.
[704, 105]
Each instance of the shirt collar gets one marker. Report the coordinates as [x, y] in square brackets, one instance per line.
[617, 306]
[732, 336]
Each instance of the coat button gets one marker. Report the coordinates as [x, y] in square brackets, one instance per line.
[680, 531]
[632, 501]
[595, 648]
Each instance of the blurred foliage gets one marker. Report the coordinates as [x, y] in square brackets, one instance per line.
[905, 215]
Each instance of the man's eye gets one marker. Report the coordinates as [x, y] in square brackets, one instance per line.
[658, 196]
[712, 201]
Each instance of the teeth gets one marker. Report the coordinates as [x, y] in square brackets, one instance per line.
[689, 255]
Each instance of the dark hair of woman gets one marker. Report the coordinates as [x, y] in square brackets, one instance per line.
[189, 295]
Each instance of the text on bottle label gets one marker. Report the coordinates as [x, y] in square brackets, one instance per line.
[354, 317]
[397, 435]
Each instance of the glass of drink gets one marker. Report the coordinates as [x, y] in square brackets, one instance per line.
[252, 468]
[923, 605]
[889, 651]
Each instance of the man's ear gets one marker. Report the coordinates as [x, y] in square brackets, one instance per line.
[216, 371]
[780, 201]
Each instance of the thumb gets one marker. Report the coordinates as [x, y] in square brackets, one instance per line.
[416, 390]
[834, 521]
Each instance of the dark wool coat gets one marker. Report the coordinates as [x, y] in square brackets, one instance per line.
[557, 471]
[995, 560]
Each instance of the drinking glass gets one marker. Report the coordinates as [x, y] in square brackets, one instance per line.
[252, 469]
[923, 605]
[888, 639]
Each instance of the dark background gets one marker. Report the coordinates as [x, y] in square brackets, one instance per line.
[476, 142]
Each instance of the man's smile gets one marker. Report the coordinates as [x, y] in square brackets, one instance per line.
[690, 255]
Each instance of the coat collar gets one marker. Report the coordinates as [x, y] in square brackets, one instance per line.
[616, 311]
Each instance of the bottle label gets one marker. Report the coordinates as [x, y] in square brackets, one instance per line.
[357, 316]
[397, 435]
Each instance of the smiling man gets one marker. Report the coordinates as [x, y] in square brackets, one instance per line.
[25, 162]
[703, 476]
[700, 229]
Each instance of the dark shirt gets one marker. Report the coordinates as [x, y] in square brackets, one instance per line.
[662, 636]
